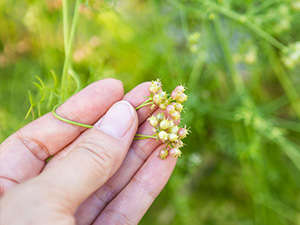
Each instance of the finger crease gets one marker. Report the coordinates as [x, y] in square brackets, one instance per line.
[9, 179]
[106, 194]
[140, 153]
[144, 186]
[121, 217]
[35, 147]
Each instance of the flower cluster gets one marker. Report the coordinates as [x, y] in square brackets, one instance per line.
[172, 104]
[165, 124]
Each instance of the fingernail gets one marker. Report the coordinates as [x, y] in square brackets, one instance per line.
[117, 120]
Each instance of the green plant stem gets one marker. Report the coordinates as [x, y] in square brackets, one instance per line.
[65, 24]
[196, 71]
[236, 79]
[70, 121]
[264, 5]
[238, 18]
[68, 55]
[248, 23]
[285, 82]
[147, 102]
[144, 136]
[138, 136]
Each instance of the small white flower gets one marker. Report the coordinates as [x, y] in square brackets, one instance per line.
[153, 121]
[163, 106]
[175, 152]
[163, 153]
[160, 116]
[175, 115]
[182, 132]
[178, 107]
[156, 99]
[173, 137]
[163, 136]
[181, 98]
[155, 86]
[164, 124]
[174, 129]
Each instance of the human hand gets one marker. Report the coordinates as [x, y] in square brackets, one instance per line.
[97, 176]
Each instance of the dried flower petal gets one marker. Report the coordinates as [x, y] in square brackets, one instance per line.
[163, 153]
[182, 133]
[175, 152]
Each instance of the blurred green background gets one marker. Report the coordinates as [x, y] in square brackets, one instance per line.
[240, 62]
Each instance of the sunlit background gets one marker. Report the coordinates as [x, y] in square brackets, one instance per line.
[240, 60]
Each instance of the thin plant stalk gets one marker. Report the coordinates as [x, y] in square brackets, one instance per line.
[247, 23]
[236, 79]
[65, 24]
[68, 54]
[144, 136]
[147, 102]
[285, 82]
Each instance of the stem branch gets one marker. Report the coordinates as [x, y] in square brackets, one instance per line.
[144, 136]
[147, 102]
[248, 23]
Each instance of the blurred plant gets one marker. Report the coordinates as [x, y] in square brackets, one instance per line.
[243, 103]
[292, 55]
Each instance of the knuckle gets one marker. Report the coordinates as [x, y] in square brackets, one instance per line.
[114, 86]
[100, 154]
[38, 149]
[5, 184]
[105, 194]
[140, 153]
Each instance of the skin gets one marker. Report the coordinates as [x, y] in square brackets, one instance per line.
[96, 176]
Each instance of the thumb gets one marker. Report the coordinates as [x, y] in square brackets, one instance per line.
[95, 156]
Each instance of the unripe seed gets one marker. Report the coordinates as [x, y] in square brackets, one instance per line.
[182, 133]
[163, 95]
[181, 97]
[174, 94]
[155, 87]
[163, 136]
[163, 153]
[180, 88]
[179, 144]
[163, 106]
[164, 124]
[175, 152]
[156, 99]
[179, 107]
[171, 123]
[174, 129]
[175, 115]
[173, 137]
[170, 108]
[160, 116]
[153, 121]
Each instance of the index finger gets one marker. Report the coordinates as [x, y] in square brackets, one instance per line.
[22, 155]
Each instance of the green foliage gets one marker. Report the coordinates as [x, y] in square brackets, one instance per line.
[239, 60]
